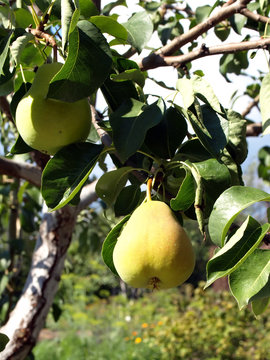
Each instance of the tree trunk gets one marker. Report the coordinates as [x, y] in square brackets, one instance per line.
[30, 312]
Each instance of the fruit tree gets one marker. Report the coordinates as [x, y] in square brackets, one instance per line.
[80, 88]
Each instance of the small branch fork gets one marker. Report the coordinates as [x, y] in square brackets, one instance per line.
[164, 56]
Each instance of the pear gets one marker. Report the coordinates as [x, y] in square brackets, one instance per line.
[153, 250]
[47, 124]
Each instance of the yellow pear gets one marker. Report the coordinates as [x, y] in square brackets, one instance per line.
[48, 125]
[153, 250]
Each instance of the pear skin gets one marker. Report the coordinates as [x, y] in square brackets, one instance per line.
[47, 124]
[153, 250]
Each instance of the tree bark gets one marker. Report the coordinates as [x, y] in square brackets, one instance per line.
[30, 312]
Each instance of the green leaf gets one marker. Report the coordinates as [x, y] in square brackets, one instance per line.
[192, 150]
[264, 104]
[20, 147]
[4, 48]
[139, 39]
[185, 87]
[130, 123]
[251, 277]
[69, 18]
[230, 203]
[260, 305]
[213, 132]
[107, 8]
[109, 244]
[111, 184]
[215, 179]
[237, 22]
[87, 9]
[110, 26]
[65, 173]
[4, 339]
[87, 66]
[264, 165]
[245, 240]
[204, 91]
[19, 45]
[202, 13]
[186, 194]
[237, 144]
[132, 74]
[127, 200]
[164, 138]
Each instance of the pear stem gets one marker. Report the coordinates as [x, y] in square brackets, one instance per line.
[149, 188]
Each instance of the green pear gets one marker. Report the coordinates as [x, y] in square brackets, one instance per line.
[47, 124]
[153, 250]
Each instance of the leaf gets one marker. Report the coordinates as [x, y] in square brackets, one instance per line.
[238, 22]
[202, 13]
[264, 103]
[213, 132]
[186, 194]
[130, 123]
[19, 45]
[264, 165]
[109, 244]
[260, 305]
[215, 179]
[111, 184]
[132, 74]
[20, 147]
[4, 339]
[87, 66]
[237, 144]
[185, 87]
[139, 39]
[204, 91]
[164, 138]
[245, 240]
[110, 26]
[230, 203]
[251, 277]
[69, 18]
[4, 48]
[127, 200]
[65, 173]
[107, 8]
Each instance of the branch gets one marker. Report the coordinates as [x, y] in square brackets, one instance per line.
[256, 17]
[154, 60]
[250, 106]
[196, 31]
[254, 129]
[20, 170]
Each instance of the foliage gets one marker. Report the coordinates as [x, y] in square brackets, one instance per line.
[189, 143]
[185, 324]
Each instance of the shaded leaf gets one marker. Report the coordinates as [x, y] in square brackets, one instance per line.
[87, 66]
[130, 123]
[109, 244]
[66, 173]
[111, 184]
[4, 339]
[186, 194]
[164, 138]
[127, 200]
